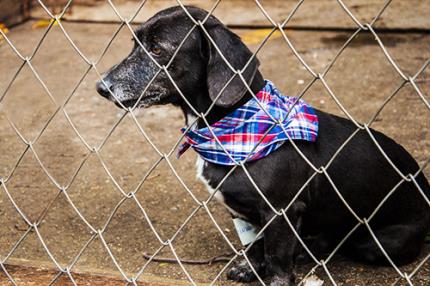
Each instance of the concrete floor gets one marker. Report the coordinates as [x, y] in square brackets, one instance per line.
[362, 78]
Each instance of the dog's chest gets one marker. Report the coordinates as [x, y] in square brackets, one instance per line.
[200, 166]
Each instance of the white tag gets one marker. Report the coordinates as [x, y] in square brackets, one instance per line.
[246, 231]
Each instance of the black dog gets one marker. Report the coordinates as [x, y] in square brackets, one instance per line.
[360, 172]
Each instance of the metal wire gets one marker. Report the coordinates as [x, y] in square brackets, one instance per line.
[65, 270]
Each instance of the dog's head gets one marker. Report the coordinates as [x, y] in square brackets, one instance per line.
[197, 69]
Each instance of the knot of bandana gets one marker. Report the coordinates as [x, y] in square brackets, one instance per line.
[255, 129]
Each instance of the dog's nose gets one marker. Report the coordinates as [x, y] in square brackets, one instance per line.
[103, 88]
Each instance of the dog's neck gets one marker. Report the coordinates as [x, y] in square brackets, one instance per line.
[203, 102]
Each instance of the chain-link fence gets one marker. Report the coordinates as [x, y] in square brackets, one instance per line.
[195, 204]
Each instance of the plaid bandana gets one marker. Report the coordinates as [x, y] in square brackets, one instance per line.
[240, 131]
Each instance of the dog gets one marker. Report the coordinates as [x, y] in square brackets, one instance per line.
[362, 175]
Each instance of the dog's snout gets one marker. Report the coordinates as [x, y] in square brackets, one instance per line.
[103, 88]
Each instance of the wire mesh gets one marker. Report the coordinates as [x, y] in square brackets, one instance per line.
[98, 233]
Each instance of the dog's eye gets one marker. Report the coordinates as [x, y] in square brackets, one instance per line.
[156, 50]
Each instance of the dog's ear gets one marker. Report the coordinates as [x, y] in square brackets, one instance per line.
[218, 72]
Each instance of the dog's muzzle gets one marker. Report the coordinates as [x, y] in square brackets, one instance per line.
[104, 88]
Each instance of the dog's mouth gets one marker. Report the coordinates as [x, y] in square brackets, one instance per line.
[144, 102]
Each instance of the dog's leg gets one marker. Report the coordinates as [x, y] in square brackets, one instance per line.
[280, 246]
[401, 242]
[242, 272]
[320, 247]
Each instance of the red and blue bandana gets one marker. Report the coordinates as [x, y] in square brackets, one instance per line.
[240, 132]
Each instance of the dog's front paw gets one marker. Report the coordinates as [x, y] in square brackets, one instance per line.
[283, 281]
[242, 272]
